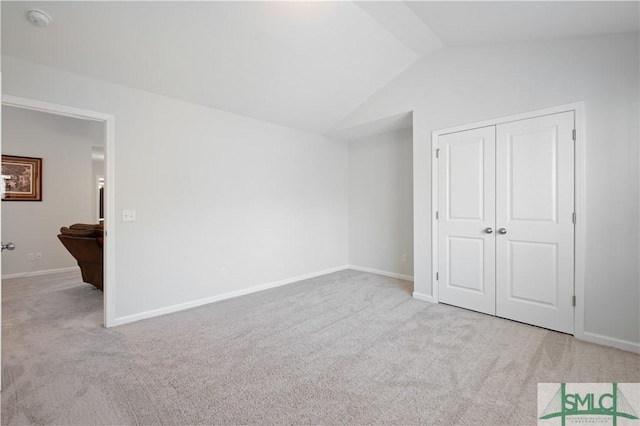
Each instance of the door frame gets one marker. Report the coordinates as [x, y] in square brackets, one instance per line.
[579, 262]
[109, 168]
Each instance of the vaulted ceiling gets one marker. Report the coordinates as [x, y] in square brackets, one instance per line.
[304, 65]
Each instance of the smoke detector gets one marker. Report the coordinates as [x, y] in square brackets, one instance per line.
[39, 17]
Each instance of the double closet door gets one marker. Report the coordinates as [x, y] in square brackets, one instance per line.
[506, 220]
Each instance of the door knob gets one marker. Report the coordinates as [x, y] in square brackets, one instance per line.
[8, 246]
[502, 231]
[489, 230]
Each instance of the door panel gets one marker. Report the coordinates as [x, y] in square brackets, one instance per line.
[467, 208]
[466, 263]
[534, 277]
[465, 163]
[535, 205]
[532, 176]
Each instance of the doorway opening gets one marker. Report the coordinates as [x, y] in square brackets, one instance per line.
[107, 172]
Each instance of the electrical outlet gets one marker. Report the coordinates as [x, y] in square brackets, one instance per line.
[223, 273]
[404, 258]
[128, 215]
[31, 257]
[39, 255]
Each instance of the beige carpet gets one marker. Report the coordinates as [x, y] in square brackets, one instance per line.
[345, 348]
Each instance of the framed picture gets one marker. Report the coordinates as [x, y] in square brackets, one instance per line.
[22, 178]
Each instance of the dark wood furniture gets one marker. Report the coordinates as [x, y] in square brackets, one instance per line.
[85, 243]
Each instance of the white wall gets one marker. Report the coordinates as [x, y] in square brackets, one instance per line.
[380, 202]
[64, 144]
[212, 190]
[467, 85]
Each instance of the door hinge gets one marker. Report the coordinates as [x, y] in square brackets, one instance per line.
[573, 301]
[438, 153]
[573, 135]
[437, 276]
[573, 217]
[437, 215]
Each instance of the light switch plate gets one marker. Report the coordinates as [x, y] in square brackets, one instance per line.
[128, 215]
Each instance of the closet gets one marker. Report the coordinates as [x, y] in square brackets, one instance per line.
[505, 220]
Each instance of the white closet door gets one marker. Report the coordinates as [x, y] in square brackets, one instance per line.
[466, 215]
[534, 206]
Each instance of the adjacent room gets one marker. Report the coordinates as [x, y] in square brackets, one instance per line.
[393, 212]
[74, 150]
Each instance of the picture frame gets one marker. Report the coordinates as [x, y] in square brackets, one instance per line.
[22, 178]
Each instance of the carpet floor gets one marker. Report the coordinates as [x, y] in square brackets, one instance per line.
[344, 348]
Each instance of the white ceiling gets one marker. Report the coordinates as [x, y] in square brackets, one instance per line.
[304, 65]
[463, 23]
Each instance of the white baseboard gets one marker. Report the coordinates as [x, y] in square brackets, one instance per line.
[423, 297]
[625, 345]
[43, 272]
[379, 272]
[586, 336]
[207, 300]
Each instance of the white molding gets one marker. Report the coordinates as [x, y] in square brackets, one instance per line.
[435, 259]
[574, 106]
[424, 297]
[67, 111]
[109, 228]
[580, 227]
[109, 223]
[579, 257]
[599, 339]
[42, 272]
[0, 250]
[207, 300]
[379, 272]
